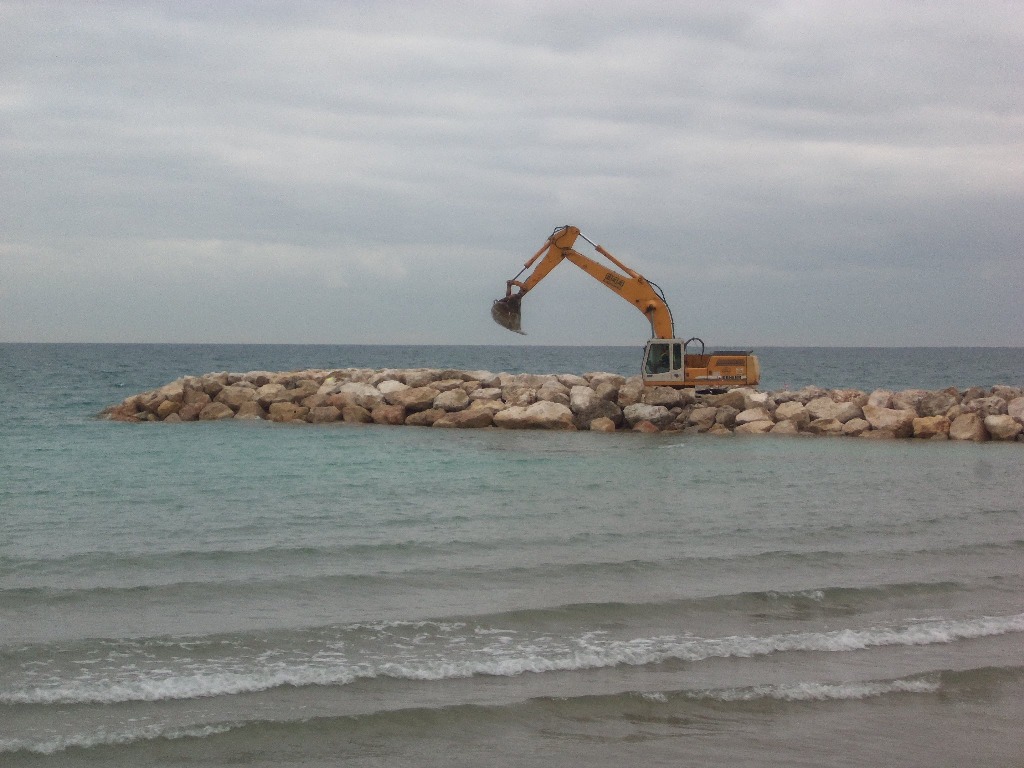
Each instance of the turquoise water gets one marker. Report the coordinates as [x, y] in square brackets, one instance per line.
[262, 594]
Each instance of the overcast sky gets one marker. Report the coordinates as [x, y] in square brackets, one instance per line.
[791, 173]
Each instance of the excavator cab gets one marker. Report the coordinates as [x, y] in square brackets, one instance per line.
[669, 363]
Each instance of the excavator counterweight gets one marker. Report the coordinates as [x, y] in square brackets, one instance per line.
[666, 360]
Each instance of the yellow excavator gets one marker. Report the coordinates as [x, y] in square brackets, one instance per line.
[667, 360]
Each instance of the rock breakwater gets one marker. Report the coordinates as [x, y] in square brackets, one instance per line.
[596, 401]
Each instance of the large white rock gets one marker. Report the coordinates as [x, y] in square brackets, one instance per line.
[754, 414]
[826, 408]
[539, 415]
[361, 394]
[794, 411]
[881, 398]
[554, 392]
[900, 422]
[1003, 427]
[658, 415]
[388, 386]
[452, 400]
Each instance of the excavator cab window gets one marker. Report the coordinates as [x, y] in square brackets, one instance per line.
[657, 358]
[677, 357]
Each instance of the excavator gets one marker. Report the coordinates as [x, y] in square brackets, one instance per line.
[668, 361]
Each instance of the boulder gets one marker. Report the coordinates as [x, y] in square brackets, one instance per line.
[1003, 427]
[234, 395]
[901, 422]
[519, 395]
[271, 393]
[754, 399]
[356, 414]
[968, 426]
[670, 397]
[726, 416]
[630, 391]
[323, 414]
[754, 414]
[287, 411]
[658, 415]
[413, 398]
[541, 415]
[702, 417]
[421, 377]
[197, 397]
[880, 398]
[358, 393]
[250, 410]
[787, 427]
[215, 412]
[856, 427]
[554, 392]
[1007, 393]
[425, 418]
[485, 379]
[213, 383]
[908, 399]
[389, 386]
[582, 397]
[931, 427]
[719, 429]
[855, 396]
[491, 406]
[824, 427]
[452, 400]
[485, 393]
[300, 389]
[168, 408]
[793, 411]
[599, 378]
[607, 391]
[472, 418]
[646, 427]
[827, 408]
[598, 409]
[258, 378]
[389, 413]
[601, 424]
[731, 399]
[755, 427]
[570, 380]
[985, 406]
[937, 403]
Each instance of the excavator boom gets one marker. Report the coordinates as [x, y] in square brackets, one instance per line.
[630, 285]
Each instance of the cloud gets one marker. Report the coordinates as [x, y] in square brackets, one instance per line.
[408, 152]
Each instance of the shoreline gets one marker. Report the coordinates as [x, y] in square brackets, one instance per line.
[605, 402]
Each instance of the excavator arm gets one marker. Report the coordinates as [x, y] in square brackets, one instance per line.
[629, 284]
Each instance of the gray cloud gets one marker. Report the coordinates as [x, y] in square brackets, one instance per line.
[790, 173]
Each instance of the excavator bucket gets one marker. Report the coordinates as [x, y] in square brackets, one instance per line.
[506, 313]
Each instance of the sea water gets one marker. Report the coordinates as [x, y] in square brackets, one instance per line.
[269, 595]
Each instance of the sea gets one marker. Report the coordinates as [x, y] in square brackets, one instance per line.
[256, 594]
